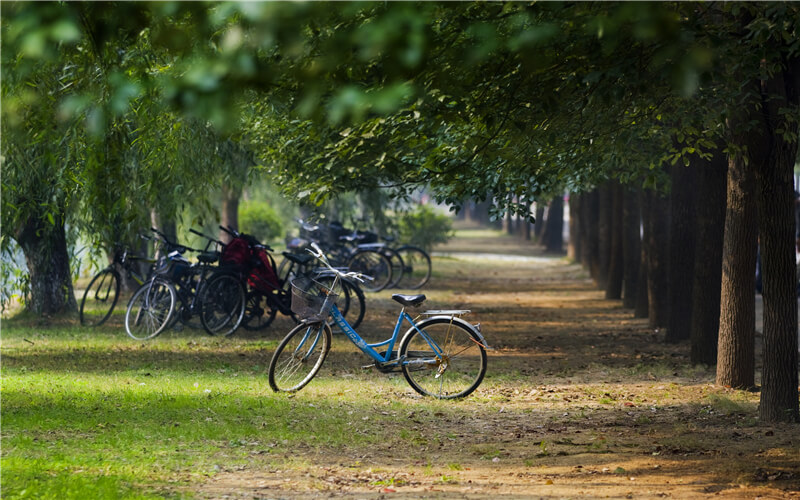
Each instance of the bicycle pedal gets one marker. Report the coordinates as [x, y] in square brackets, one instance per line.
[367, 367]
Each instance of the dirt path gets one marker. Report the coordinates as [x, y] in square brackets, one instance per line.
[582, 401]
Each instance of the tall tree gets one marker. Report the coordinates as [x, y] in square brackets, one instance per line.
[681, 251]
[711, 178]
[616, 270]
[656, 216]
[631, 245]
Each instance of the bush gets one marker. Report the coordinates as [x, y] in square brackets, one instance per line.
[424, 227]
[261, 220]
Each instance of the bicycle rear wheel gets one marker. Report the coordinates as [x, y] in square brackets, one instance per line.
[375, 265]
[257, 312]
[444, 358]
[299, 356]
[222, 304]
[416, 267]
[397, 266]
[100, 298]
[150, 309]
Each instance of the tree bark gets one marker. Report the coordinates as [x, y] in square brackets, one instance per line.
[539, 226]
[45, 249]
[642, 309]
[657, 218]
[616, 270]
[574, 241]
[681, 252]
[735, 356]
[229, 216]
[589, 213]
[605, 210]
[774, 159]
[554, 232]
[631, 246]
[710, 225]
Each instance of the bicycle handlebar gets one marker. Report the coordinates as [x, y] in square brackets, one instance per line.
[174, 246]
[320, 255]
[252, 240]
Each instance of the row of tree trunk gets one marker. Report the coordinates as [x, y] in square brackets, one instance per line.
[686, 260]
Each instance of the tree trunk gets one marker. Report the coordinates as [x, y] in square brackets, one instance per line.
[526, 225]
[589, 212]
[165, 225]
[642, 309]
[681, 251]
[574, 240]
[631, 246]
[45, 249]
[735, 356]
[774, 159]
[657, 218]
[554, 232]
[509, 219]
[605, 210]
[616, 259]
[710, 225]
[229, 216]
[539, 226]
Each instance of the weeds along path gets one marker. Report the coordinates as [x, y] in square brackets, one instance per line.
[580, 401]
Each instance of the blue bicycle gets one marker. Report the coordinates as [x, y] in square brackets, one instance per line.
[442, 356]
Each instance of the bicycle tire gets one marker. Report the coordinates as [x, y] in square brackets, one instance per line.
[150, 310]
[283, 271]
[373, 264]
[258, 315]
[306, 345]
[222, 304]
[397, 266]
[190, 286]
[460, 368]
[100, 298]
[417, 267]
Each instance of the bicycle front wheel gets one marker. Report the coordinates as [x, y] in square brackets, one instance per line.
[100, 298]
[416, 267]
[299, 356]
[375, 265]
[150, 309]
[222, 304]
[443, 358]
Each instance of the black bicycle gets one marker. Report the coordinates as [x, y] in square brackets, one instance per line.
[180, 290]
[103, 292]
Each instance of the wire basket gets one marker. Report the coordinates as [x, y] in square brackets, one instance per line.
[311, 300]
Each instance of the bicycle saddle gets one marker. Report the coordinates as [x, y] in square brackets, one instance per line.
[208, 257]
[409, 300]
[301, 259]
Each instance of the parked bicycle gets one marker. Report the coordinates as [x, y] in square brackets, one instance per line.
[269, 293]
[180, 291]
[350, 298]
[442, 356]
[410, 266]
[345, 252]
[101, 295]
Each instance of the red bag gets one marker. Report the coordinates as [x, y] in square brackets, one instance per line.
[236, 252]
[263, 276]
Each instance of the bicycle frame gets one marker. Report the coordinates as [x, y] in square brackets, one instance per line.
[369, 349]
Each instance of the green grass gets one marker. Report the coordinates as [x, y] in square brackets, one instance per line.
[92, 414]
